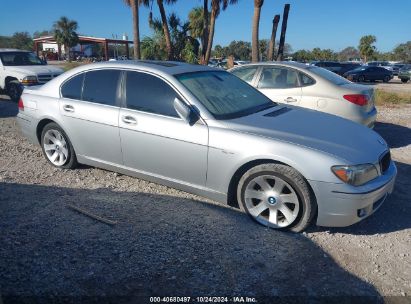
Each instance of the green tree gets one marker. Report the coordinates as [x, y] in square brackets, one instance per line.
[43, 33]
[196, 21]
[22, 41]
[160, 4]
[65, 33]
[402, 52]
[348, 53]
[240, 50]
[218, 51]
[256, 24]
[216, 6]
[303, 56]
[366, 47]
[134, 5]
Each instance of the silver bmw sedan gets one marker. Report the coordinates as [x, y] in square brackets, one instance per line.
[205, 131]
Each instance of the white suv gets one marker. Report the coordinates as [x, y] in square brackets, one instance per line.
[23, 68]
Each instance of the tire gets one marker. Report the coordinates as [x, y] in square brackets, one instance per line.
[14, 90]
[268, 207]
[386, 79]
[57, 147]
[361, 78]
[404, 80]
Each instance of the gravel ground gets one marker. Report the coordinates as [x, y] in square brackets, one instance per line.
[171, 243]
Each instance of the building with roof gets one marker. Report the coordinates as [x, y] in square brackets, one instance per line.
[50, 44]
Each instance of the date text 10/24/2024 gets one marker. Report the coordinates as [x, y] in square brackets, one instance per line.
[202, 300]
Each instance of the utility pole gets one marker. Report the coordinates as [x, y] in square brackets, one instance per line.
[271, 47]
[283, 30]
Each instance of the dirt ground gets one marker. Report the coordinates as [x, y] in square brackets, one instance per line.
[170, 243]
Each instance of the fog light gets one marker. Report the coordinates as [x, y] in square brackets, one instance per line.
[361, 212]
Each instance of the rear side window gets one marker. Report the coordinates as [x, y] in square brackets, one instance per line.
[306, 80]
[246, 74]
[101, 86]
[73, 87]
[278, 78]
[148, 93]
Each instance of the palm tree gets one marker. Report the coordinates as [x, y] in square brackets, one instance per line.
[204, 38]
[215, 11]
[134, 5]
[166, 31]
[256, 23]
[65, 33]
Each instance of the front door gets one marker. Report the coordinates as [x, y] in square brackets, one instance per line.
[154, 139]
[280, 84]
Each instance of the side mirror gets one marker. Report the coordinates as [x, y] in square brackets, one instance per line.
[185, 112]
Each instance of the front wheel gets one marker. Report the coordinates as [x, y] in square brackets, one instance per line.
[386, 79]
[361, 78]
[276, 196]
[404, 80]
[57, 147]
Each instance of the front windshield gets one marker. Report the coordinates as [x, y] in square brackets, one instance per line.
[19, 59]
[224, 95]
[328, 75]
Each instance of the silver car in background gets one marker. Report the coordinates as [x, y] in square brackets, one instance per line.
[205, 131]
[311, 87]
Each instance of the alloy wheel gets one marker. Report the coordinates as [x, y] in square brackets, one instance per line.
[55, 147]
[271, 201]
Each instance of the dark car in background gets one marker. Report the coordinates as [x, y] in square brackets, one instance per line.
[332, 66]
[396, 68]
[405, 73]
[369, 73]
[348, 66]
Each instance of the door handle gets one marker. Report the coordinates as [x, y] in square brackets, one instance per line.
[68, 108]
[130, 120]
[290, 99]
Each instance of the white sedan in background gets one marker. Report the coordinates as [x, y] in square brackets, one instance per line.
[311, 87]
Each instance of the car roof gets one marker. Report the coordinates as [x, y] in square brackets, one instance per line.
[166, 67]
[276, 63]
[13, 50]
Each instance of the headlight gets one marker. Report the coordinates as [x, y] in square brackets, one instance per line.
[355, 175]
[29, 80]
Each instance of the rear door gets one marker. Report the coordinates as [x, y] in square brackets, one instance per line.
[280, 84]
[154, 138]
[90, 108]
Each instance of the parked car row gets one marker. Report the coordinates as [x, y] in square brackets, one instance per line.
[354, 71]
[204, 130]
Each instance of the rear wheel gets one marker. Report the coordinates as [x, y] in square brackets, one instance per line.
[276, 196]
[386, 78]
[404, 80]
[361, 78]
[14, 90]
[57, 147]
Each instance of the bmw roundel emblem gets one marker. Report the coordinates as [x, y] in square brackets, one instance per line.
[272, 200]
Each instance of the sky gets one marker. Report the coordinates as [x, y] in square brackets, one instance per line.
[333, 24]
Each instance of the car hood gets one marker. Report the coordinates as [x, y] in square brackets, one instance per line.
[35, 69]
[333, 135]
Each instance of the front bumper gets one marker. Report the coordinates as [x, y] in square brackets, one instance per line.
[341, 205]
